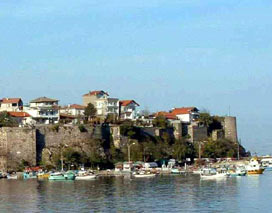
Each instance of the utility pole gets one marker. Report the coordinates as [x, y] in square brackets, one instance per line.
[199, 151]
[129, 145]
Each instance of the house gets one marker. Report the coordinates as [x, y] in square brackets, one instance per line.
[44, 110]
[11, 104]
[186, 114]
[72, 113]
[73, 109]
[167, 115]
[102, 102]
[22, 118]
[127, 109]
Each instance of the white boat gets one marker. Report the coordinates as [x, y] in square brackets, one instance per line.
[84, 175]
[237, 171]
[211, 173]
[143, 175]
[12, 177]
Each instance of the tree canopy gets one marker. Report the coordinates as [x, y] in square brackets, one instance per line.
[7, 121]
[90, 111]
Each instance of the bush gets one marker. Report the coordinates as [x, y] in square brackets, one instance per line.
[82, 128]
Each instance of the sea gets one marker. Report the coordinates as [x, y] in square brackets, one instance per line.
[167, 193]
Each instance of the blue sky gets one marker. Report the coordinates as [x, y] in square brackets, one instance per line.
[211, 54]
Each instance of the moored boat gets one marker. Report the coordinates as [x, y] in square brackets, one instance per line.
[212, 173]
[143, 174]
[238, 171]
[84, 175]
[254, 167]
[43, 175]
[12, 177]
[29, 175]
[62, 176]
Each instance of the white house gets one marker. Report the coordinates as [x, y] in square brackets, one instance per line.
[23, 118]
[73, 109]
[127, 109]
[44, 110]
[11, 104]
[186, 114]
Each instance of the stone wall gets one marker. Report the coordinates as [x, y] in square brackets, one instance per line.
[197, 133]
[31, 145]
[17, 145]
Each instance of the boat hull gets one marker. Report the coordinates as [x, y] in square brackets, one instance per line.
[255, 172]
[145, 176]
[87, 177]
[62, 177]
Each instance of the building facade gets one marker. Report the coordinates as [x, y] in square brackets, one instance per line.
[44, 110]
[186, 114]
[11, 104]
[127, 109]
[102, 102]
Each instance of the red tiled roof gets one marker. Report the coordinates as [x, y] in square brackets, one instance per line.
[167, 115]
[73, 106]
[77, 106]
[183, 110]
[10, 100]
[19, 114]
[96, 93]
[127, 102]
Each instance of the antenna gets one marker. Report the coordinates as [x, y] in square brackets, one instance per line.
[229, 110]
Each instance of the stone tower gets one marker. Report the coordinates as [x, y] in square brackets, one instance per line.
[230, 128]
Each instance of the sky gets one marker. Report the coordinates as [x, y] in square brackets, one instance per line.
[212, 54]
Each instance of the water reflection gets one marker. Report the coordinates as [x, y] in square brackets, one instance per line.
[176, 193]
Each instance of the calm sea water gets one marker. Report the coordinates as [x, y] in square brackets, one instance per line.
[174, 193]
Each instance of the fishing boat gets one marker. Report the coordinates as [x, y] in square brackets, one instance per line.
[43, 175]
[254, 167]
[62, 176]
[12, 177]
[84, 175]
[212, 173]
[238, 171]
[29, 175]
[143, 174]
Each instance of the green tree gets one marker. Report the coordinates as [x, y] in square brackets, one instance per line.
[205, 118]
[7, 121]
[183, 149]
[90, 111]
[161, 122]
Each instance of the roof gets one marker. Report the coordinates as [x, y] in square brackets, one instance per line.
[74, 106]
[43, 99]
[127, 102]
[10, 100]
[97, 92]
[183, 110]
[166, 115]
[19, 114]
